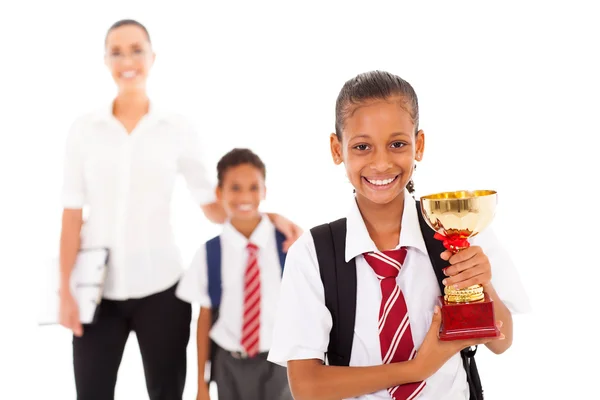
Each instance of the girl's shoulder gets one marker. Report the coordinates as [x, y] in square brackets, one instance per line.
[302, 253]
[303, 246]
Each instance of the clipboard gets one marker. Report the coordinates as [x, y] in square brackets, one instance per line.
[87, 285]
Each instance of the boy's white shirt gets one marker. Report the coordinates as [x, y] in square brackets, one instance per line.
[303, 322]
[193, 286]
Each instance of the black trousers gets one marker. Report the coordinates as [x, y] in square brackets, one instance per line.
[161, 323]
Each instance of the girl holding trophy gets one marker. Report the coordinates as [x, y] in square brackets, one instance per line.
[377, 336]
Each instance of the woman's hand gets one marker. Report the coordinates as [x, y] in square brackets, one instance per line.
[290, 230]
[69, 313]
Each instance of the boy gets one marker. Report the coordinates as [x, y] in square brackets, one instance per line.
[235, 278]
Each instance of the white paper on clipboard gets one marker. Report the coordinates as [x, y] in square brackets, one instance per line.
[87, 284]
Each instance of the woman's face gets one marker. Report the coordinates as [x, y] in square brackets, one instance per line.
[129, 57]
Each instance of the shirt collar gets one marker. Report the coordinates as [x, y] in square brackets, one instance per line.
[261, 236]
[359, 242]
[105, 113]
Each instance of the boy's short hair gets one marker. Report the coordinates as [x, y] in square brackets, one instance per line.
[238, 157]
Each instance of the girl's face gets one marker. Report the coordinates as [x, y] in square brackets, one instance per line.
[379, 148]
[129, 57]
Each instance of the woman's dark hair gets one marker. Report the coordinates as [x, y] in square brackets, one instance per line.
[375, 85]
[238, 157]
[126, 22]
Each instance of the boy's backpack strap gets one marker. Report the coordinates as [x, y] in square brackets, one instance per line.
[339, 283]
[213, 266]
[434, 249]
[279, 239]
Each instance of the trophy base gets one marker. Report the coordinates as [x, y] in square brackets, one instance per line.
[468, 320]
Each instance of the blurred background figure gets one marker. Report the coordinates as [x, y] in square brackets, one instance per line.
[121, 164]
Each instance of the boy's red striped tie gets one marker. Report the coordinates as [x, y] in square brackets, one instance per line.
[251, 316]
[395, 337]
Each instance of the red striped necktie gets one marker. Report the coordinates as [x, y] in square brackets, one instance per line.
[251, 316]
[395, 337]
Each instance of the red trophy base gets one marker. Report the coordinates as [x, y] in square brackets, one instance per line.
[468, 320]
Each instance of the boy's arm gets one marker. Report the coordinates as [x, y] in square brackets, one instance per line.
[193, 288]
[203, 344]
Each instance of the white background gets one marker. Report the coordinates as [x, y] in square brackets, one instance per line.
[509, 101]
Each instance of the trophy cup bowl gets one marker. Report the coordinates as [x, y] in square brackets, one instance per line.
[455, 217]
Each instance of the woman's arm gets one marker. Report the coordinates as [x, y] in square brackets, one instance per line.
[191, 165]
[72, 221]
[290, 230]
[216, 214]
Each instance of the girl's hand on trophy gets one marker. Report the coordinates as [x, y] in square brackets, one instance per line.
[467, 267]
[433, 352]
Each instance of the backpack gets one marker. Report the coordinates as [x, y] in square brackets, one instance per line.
[339, 282]
[213, 267]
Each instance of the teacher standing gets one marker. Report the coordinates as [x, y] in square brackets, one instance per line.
[121, 163]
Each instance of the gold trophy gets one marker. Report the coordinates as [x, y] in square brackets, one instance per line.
[455, 217]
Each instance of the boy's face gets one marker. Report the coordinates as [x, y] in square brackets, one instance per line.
[379, 148]
[241, 191]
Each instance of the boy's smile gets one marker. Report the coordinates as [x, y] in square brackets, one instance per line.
[242, 190]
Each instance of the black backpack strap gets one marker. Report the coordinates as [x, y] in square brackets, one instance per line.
[434, 249]
[339, 283]
[473, 379]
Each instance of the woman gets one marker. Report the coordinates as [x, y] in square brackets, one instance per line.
[122, 162]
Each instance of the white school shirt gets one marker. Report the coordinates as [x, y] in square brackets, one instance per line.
[303, 321]
[193, 287]
[126, 182]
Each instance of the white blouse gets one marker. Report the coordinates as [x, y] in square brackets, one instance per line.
[126, 181]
